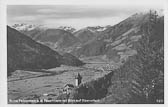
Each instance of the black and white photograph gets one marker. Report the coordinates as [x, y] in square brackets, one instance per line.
[85, 54]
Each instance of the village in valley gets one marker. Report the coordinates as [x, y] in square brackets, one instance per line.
[113, 56]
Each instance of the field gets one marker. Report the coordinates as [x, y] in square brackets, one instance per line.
[48, 83]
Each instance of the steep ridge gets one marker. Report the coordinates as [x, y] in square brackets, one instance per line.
[28, 29]
[89, 34]
[25, 53]
[119, 39]
[69, 59]
[57, 38]
[85, 35]
[139, 80]
[94, 48]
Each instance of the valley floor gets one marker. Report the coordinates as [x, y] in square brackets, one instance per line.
[46, 84]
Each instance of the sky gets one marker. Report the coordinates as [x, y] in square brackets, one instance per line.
[77, 16]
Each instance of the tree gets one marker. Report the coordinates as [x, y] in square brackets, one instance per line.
[150, 63]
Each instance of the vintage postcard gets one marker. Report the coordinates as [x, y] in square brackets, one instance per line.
[85, 53]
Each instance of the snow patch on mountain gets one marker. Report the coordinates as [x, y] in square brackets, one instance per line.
[67, 28]
[27, 27]
[97, 28]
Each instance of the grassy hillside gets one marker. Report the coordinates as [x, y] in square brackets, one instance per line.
[140, 79]
[119, 39]
[25, 53]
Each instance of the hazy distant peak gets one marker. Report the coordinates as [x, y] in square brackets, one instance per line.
[27, 27]
[67, 28]
[95, 28]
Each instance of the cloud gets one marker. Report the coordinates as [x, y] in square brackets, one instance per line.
[63, 11]
[24, 18]
[80, 23]
[66, 12]
[46, 11]
[69, 14]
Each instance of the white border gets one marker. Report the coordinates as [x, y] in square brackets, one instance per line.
[3, 47]
[84, 2]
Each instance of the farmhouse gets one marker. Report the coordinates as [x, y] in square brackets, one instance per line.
[68, 87]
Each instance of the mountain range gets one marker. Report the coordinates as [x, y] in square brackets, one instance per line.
[25, 53]
[140, 79]
[113, 43]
